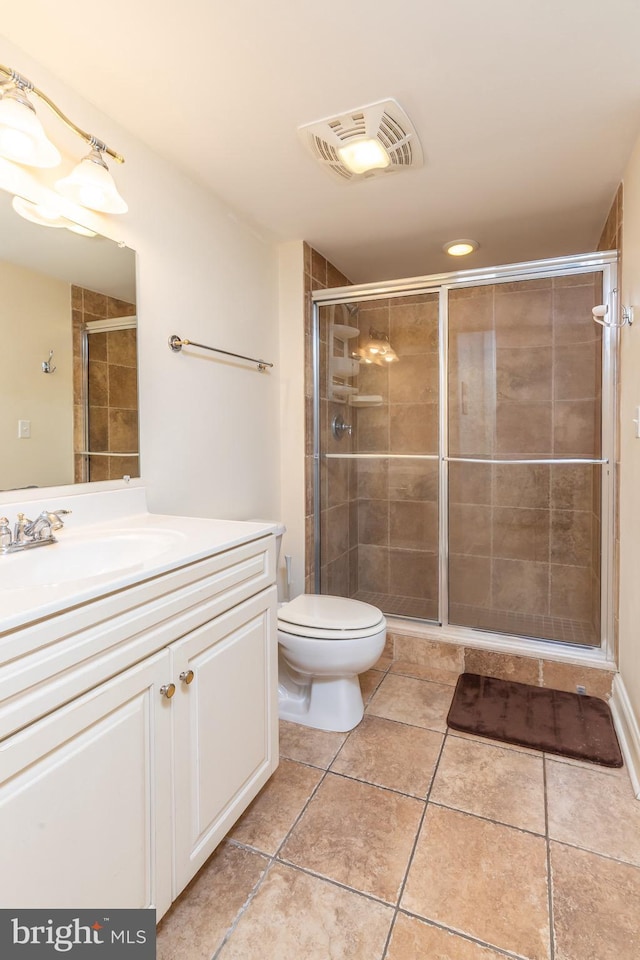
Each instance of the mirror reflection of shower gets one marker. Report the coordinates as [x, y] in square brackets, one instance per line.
[108, 414]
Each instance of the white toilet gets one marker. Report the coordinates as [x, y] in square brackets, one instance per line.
[324, 642]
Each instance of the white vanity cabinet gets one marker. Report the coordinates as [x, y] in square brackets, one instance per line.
[136, 729]
[85, 800]
[214, 778]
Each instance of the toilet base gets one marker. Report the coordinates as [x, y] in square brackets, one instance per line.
[325, 703]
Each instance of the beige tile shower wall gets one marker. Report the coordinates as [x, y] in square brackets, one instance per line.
[398, 499]
[444, 661]
[525, 373]
[113, 388]
[339, 558]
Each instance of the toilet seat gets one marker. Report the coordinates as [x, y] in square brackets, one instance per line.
[329, 618]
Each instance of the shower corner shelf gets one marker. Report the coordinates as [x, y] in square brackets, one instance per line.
[373, 400]
[344, 332]
[342, 364]
[342, 390]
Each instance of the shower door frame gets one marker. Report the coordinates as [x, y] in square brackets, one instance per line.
[605, 263]
[108, 325]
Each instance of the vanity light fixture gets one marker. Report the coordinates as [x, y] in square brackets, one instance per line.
[23, 140]
[47, 216]
[37, 213]
[22, 136]
[91, 185]
[460, 248]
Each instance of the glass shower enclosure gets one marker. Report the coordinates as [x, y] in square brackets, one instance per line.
[463, 448]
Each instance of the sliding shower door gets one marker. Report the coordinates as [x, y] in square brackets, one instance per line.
[379, 467]
[524, 396]
[461, 476]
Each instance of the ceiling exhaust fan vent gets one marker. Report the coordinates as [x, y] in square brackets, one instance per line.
[384, 121]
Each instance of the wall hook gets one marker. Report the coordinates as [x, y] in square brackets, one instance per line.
[47, 366]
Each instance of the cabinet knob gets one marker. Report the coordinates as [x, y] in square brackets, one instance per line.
[168, 690]
[187, 676]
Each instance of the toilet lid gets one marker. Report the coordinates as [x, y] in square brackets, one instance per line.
[329, 613]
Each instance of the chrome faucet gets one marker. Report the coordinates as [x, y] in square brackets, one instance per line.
[30, 533]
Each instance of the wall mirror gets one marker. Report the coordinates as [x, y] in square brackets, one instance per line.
[68, 376]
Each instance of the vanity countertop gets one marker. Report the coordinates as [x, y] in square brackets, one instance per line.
[91, 560]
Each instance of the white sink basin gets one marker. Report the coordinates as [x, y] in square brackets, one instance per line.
[95, 557]
[79, 557]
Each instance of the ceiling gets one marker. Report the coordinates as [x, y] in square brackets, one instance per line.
[526, 112]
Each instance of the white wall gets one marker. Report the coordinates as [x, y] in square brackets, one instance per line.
[209, 427]
[629, 644]
[35, 317]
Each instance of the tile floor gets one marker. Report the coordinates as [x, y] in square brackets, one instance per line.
[402, 841]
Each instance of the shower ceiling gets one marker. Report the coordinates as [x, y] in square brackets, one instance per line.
[526, 113]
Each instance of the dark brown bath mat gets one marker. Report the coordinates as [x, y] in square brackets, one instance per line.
[568, 724]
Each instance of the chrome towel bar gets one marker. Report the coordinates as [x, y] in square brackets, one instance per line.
[176, 344]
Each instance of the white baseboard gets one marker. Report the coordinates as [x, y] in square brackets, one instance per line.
[628, 731]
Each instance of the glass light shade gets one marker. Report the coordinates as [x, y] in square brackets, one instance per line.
[362, 155]
[22, 136]
[460, 248]
[377, 350]
[91, 185]
[47, 216]
[362, 355]
[377, 347]
[76, 228]
[37, 213]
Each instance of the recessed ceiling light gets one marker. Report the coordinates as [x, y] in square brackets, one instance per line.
[460, 248]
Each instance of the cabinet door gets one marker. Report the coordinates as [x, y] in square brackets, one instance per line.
[85, 794]
[225, 726]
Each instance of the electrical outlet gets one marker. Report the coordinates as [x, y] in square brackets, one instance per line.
[580, 688]
[24, 429]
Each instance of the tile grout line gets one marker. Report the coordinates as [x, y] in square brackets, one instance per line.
[552, 947]
[377, 786]
[596, 853]
[335, 883]
[272, 859]
[413, 851]
[479, 816]
[462, 935]
[405, 723]
[245, 905]
[307, 871]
